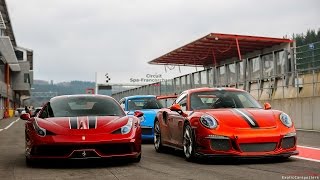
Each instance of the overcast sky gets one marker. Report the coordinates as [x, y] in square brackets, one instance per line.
[73, 39]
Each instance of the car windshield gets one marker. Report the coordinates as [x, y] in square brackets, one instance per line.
[37, 110]
[222, 99]
[20, 110]
[143, 103]
[84, 106]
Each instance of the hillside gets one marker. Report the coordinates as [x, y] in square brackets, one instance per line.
[63, 88]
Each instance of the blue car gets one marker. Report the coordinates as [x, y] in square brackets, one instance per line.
[149, 105]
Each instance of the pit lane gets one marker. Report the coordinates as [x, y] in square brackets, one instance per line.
[170, 165]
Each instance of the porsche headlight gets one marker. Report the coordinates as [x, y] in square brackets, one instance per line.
[208, 121]
[286, 120]
[40, 131]
[127, 128]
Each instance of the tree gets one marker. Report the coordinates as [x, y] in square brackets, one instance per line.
[310, 37]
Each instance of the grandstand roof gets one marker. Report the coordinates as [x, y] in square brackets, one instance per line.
[216, 47]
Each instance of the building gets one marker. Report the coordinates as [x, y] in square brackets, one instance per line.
[16, 67]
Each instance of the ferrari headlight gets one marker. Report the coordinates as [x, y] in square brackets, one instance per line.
[285, 119]
[127, 128]
[40, 131]
[208, 121]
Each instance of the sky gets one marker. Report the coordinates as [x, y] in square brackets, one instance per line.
[74, 39]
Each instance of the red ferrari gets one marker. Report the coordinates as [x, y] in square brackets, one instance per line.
[82, 127]
[227, 122]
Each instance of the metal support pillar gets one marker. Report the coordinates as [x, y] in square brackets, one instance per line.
[7, 81]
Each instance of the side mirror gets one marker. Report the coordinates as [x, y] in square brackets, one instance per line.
[138, 114]
[176, 107]
[267, 106]
[25, 116]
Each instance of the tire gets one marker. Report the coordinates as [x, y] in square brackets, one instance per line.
[29, 162]
[188, 143]
[157, 137]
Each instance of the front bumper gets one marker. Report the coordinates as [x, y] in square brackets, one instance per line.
[250, 144]
[83, 147]
[147, 133]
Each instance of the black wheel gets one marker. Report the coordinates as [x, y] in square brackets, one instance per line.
[29, 162]
[188, 143]
[157, 137]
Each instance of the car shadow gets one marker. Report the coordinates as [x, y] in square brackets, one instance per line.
[149, 141]
[74, 163]
[241, 161]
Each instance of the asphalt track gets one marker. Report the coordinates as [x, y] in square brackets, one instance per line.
[170, 165]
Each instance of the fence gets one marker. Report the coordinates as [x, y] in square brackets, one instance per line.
[308, 57]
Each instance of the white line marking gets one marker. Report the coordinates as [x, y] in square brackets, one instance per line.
[308, 147]
[1, 130]
[11, 124]
[307, 130]
[303, 158]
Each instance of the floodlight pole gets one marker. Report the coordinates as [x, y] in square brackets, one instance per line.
[238, 48]
[96, 88]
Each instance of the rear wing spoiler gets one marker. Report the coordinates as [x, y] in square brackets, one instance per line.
[167, 97]
[167, 100]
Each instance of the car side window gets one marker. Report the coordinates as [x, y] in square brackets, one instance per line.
[47, 112]
[122, 104]
[182, 101]
[180, 97]
[44, 113]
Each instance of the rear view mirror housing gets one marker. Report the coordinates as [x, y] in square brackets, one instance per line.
[138, 114]
[176, 107]
[25, 116]
[267, 106]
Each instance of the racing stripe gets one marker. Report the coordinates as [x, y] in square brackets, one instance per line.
[247, 117]
[250, 116]
[92, 122]
[73, 121]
